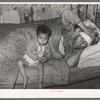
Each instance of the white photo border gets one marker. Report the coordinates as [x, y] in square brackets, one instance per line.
[50, 93]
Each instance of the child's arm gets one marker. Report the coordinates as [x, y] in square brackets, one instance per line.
[30, 52]
[46, 56]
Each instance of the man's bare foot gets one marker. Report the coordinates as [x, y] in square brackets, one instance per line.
[25, 82]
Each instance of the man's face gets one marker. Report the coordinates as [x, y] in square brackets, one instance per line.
[80, 43]
[42, 39]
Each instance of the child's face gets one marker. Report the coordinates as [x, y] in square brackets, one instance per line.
[42, 39]
[80, 43]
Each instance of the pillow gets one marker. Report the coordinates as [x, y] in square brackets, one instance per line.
[90, 56]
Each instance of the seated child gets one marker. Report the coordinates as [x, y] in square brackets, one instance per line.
[37, 52]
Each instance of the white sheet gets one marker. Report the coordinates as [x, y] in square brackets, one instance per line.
[90, 56]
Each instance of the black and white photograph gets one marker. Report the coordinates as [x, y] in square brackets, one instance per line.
[49, 46]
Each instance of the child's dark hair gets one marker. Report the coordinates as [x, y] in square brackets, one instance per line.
[44, 29]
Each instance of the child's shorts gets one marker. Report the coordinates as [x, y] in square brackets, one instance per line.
[30, 61]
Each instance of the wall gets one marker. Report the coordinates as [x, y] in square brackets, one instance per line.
[34, 12]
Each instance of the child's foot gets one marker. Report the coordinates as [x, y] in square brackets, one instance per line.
[25, 82]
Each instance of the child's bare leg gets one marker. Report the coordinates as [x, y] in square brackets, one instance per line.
[23, 73]
[41, 73]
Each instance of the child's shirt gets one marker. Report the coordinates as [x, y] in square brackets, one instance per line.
[40, 49]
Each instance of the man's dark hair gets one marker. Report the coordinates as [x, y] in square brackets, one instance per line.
[43, 29]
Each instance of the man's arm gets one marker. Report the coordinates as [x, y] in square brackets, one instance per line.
[82, 26]
[92, 26]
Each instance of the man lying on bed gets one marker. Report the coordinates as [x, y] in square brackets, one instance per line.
[80, 42]
[75, 40]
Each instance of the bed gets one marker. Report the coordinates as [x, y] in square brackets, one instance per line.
[9, 72]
